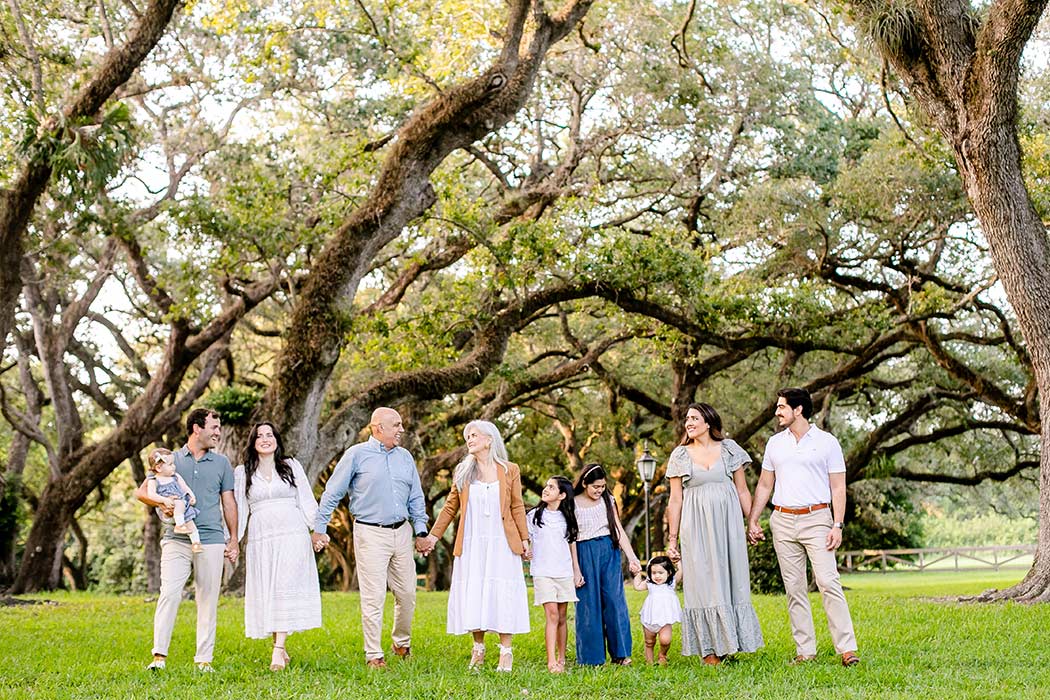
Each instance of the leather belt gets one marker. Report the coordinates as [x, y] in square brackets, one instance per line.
[391, 526]
[800, 511]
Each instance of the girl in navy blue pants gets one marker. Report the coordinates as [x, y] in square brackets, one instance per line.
[602, 619]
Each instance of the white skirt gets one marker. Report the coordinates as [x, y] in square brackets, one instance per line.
[488, 583]
[281, 590]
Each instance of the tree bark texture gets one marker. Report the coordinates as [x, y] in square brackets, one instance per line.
[964, 76]
[461, 115]
[157, 409]
[151, 531]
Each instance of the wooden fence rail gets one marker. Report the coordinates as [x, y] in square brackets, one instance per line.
[993, 558]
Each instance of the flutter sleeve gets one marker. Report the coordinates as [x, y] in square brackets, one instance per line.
[679, 464]
[304, 495]
[734, 456]
[241, 498]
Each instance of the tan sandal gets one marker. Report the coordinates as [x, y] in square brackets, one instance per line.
[477, 655]
[278, 659]
[506, 659]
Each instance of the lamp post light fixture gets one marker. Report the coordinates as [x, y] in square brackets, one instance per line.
[646, 469]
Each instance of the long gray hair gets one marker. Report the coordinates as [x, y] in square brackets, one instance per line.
[467, 469]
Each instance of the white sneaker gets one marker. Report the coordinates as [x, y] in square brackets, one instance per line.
[205, 667]
[157, 665]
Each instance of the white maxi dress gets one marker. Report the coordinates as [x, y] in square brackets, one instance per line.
[281, 590]
[488, 581]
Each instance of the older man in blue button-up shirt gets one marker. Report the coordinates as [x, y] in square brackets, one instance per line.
[386, 500]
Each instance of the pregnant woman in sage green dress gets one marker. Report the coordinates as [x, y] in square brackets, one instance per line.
[708, 503]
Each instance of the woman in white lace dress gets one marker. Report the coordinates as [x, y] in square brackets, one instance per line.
[488, 582]
[276, 506]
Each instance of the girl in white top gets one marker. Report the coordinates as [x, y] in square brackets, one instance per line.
[661, 608]
[555, 568]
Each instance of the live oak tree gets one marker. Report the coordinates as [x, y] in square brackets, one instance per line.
[961, 64]
[625, 225]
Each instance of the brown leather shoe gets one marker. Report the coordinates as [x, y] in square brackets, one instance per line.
[712, 660]
[850, 659]
[401, 652]
[376, 663]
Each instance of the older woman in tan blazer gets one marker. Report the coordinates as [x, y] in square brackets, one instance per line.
[488, 583]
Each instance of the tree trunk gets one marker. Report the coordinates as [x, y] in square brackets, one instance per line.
[149, 416]
[964, 76]
[1020, 249]
[151, 530]
[41, 567]
[464, 113]
[151, 533]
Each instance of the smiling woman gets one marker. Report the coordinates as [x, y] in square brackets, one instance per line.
[276, 507]
[709, 499]
[488, 583]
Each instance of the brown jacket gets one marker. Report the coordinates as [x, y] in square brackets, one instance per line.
[512, 510]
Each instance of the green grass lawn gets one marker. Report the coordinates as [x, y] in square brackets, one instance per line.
[913, 645]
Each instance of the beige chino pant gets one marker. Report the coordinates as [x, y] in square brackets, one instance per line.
[796, 537]
[385, 557]
[176, 561]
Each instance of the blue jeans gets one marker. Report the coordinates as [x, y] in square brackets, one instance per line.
[601, 612]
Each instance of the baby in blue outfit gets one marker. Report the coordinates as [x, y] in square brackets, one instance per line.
[164, 484]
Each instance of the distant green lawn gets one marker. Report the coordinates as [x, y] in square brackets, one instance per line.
[914, 645]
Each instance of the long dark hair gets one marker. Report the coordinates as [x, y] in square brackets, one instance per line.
[567, 508]
[251, 458]
[590, 474]
[711, 417]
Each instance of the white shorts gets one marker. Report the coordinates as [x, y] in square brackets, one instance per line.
[553, 590]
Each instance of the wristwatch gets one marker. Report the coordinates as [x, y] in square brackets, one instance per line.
[839, 525]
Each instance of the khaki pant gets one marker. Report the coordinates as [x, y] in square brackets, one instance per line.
[176, 560]
[796, 537]
[385, 557]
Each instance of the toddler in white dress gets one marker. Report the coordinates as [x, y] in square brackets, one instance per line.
[661, 608]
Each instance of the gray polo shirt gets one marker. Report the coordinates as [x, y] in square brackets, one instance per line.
[207, 478]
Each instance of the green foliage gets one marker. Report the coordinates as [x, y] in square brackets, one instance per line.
[962, 529]
[765, 568]
[85, 153]
[12, 510]
[892, 25]
[234, 403]
[884, 515]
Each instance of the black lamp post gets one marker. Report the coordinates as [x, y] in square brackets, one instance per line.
[646, 469]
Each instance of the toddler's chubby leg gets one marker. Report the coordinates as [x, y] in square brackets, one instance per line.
[650, 644]
[665, 644]
[180, 517]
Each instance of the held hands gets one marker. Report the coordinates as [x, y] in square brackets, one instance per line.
[527, 554]
[319, 541]
[425, 544]
[672, 550]
[577, 578]
[755, 533]
[232, 550]
[634, 567]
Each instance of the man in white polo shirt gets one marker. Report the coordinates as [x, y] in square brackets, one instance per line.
[804, 469]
